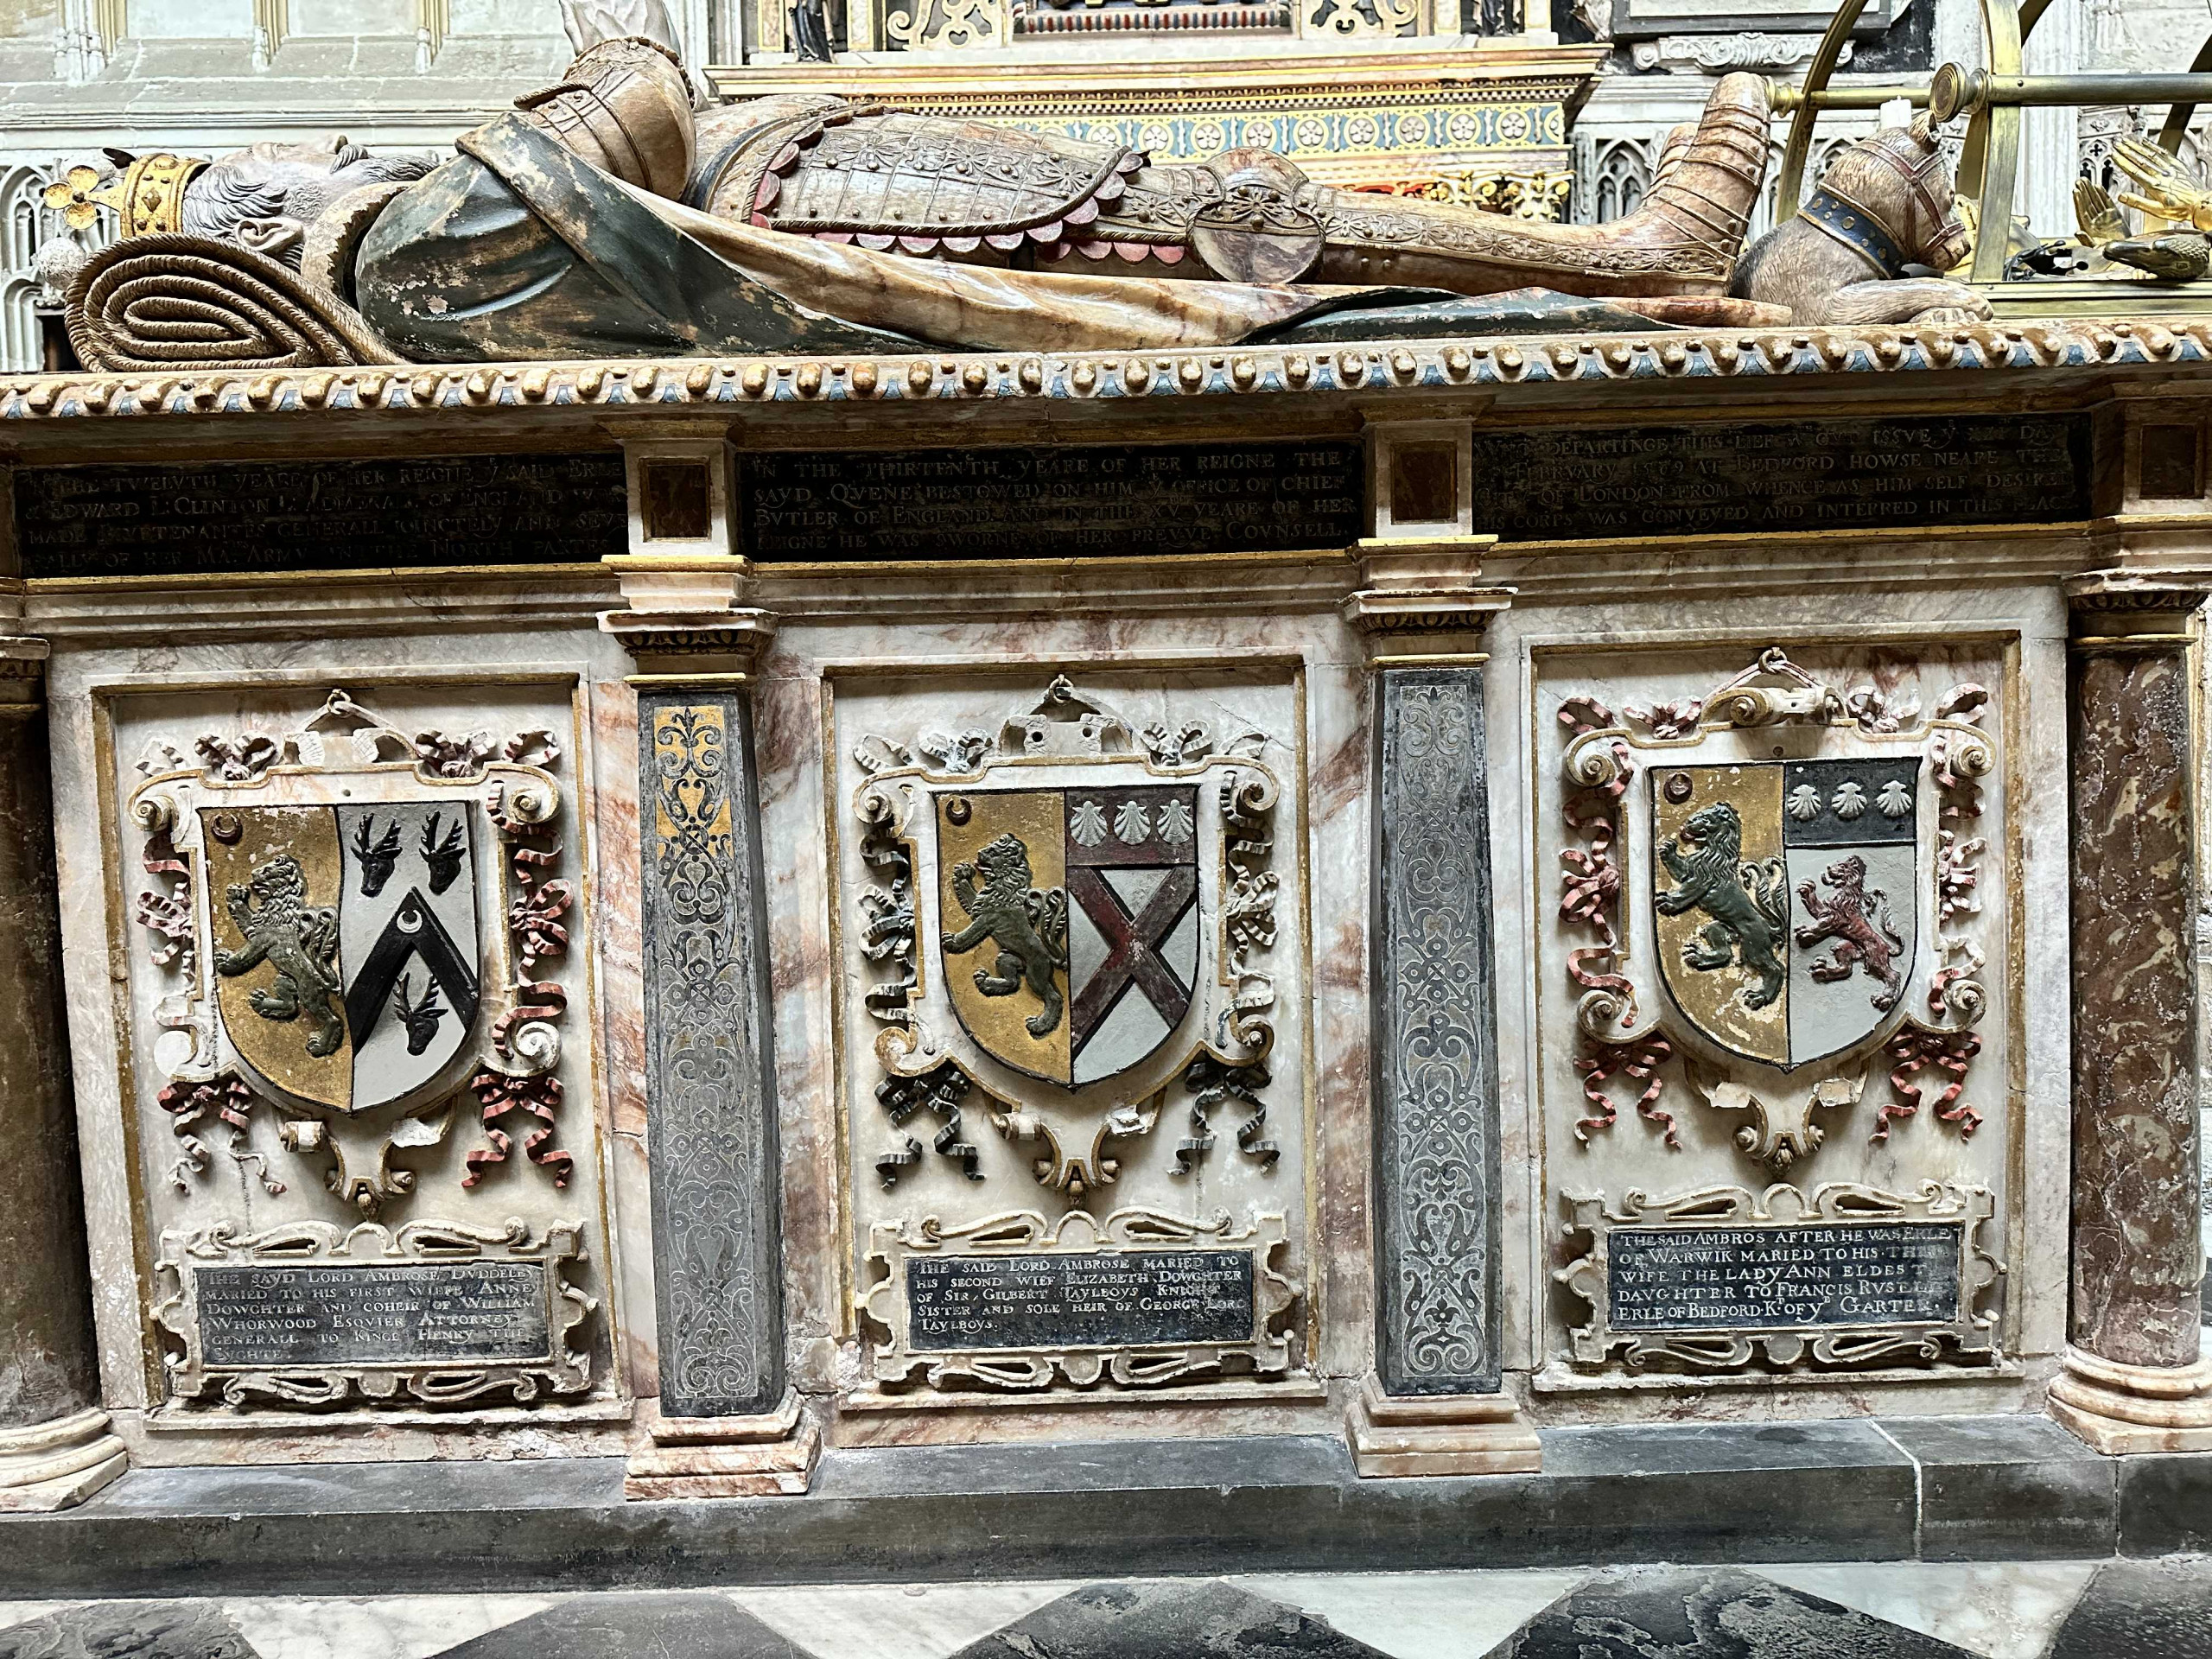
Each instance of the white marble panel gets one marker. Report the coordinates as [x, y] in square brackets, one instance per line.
[897, 1621]
[2002, 1611]
[111, 702]
[2008, 639]
[1254, 716]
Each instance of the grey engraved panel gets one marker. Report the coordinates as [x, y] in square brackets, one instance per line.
[1055, 502]
[1843, 474]
[717, 1250]
[144, 520]
[1850, 803]
[1776, 1278]
[1435, 1072]
[1079, 1300]
[419, 1313]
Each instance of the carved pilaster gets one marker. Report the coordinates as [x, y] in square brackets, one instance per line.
[2132, 1381]
[1435, 1406]
[725, 1423]
[56, 1449]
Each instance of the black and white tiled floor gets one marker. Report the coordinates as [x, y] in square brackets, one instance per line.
[2052, 1609]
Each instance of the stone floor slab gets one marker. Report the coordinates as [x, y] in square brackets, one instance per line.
[2008, 1488]
[686, 1624]
[1153, 1618]
[2165, 1503]
[1671, 1612]
[2000, 1611]
[128, 1629]
[2140, 1610]
[1421, 1615]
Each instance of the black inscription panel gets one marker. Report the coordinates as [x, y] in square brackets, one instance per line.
[1842, 475]
[319, 514]
[1053, 503]
[429, 1312]
[1769, 1278]
[1138, 1299]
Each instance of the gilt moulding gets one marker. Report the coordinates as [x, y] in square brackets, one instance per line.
[1408, 368]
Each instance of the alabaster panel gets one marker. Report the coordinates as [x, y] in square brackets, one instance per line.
[1072, 996]
[350, 1165]
[1781, 961]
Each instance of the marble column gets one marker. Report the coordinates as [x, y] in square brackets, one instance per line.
[726, 1422]
[56, 1449]
[1434, 1404]
[2132, 1377]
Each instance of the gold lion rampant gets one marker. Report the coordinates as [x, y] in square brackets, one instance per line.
[299, 940]
[1029, 928]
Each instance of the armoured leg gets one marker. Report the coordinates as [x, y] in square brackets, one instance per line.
[1684, 238]
[1252, 216]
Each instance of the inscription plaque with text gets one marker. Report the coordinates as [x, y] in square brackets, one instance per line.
[1773, 1278]
[1841, 475]
[432, 1312]
[319, 514]
[1133, 1299]
[1068, 501]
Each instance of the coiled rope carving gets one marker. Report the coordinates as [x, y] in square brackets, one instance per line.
[175, 301]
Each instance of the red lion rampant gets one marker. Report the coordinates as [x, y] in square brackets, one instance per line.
[1849, 916]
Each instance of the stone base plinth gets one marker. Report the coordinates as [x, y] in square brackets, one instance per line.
[1439, 1434]
[53, 1466]
[770, 1455]
[2122, 1408]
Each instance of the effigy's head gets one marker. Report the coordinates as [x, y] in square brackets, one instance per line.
[1900, 178]
[265, 196]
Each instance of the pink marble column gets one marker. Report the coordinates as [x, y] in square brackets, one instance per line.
[2133, 1377]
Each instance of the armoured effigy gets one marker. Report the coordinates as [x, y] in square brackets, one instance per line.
[929, 185]
[603, 215]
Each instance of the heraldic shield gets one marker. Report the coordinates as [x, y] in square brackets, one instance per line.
[347, 962]
[1070, 919]
[1786, 900]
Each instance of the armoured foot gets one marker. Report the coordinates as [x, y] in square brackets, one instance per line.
[1708, 184]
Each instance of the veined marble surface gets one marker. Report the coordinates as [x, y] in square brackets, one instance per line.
[2046, 1609]
[2008, 640]
[109, 704]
